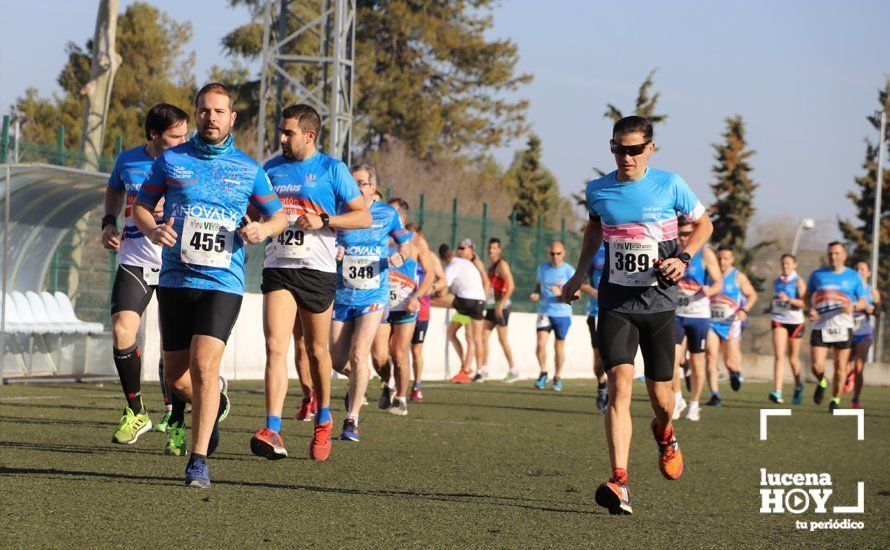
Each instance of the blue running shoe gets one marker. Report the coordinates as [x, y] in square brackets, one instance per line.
[542, 381]
[798, 395]
[715, 401]
[602, 400]
[735, 381]
[776, 397]
[197, 474]
[557, 385]
[350, 430]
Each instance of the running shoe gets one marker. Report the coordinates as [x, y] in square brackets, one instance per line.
[462, 377]
[162, 425]
[305, 414]
[416, 395]
[602, 399]
[214, 439]
[834, 404]
[480, 375]
[856, 404]
[714, 401]
[223, 385]
[614, 497]
[197, 474]
[350, 430]
[385, 397]
[694, 413]
[687, 376]
[399, 407]
[735, 380]
[556, 385]
[268, 444]
[320, 447]
[542, 381]
[671, 460]
[819, 394]
[512, 376]
[848, 383]
[797, 398]
[225, 406]
[131, 426]
[176, 445]
[776, 397]
[679, 407]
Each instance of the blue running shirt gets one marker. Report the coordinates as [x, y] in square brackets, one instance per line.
[728, 301]
[782, 311]
[692, 302]
[595, 273]
[317, 185]
[402, 283]
[550, 275]
[130, 169]
[364, 270]
[639, 222]
[206, 190]
[829, 291]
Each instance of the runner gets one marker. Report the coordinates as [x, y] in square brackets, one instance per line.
[394, 335]
[467, 250]
[834, 294]
[693, 319]
[729, 309]
[595, 273]
[363, 293]
[497, 313]
[553, 313]
[635, 209]
[466, 294]
[863, 334]
[140, 263]
[423, 315]
[300, 271]
[786, 311]
[207, 184]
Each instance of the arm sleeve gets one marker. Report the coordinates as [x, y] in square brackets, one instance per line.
[685, 201]
[345, 188]
[155, 184]
[263, 197]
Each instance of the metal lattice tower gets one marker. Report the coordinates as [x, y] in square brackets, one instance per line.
[308, 54]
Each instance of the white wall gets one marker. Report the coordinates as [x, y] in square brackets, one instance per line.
[245, 355]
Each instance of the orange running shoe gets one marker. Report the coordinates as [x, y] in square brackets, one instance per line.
[320, 447]
[268, 444]
[848, 383]
[305, 413]
[615, 497]
[416, 395]
[671, 463]
[462, 377]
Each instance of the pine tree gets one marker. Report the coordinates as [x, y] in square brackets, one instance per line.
[858, 231]
[534, 186]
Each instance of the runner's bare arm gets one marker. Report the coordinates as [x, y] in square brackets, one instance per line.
[358, 217]
[507, 275]
[143, 217]
[270, 226]
[429, 270]
[748, 291]
[801, 291]
[593, 238]
[702, 228]
[713, 268]
[114, 201]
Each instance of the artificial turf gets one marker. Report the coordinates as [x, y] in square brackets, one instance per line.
[485, 465]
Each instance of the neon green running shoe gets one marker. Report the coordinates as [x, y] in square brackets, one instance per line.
[132, 425]
[224, 399]
[175, 439]
[162, 425]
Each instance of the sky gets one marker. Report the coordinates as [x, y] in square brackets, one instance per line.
[802, 74]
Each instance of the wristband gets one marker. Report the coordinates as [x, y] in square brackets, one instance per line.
[325, 220]
[109, 220]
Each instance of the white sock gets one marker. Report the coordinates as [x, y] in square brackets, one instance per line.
[678, 396]
[693, 404]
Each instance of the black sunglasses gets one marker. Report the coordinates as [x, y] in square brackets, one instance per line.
[629, 150]
[555, 253]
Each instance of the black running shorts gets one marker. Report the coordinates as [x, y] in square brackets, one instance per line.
[312, 289]
[621, 333]
[794, 330]
[492, 318]
[420, 332]
[185, 312]
[474, 309]
[817, 340]
[591, 326]
[131, 290]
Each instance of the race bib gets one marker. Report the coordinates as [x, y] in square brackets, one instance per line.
[293, 244]
[630, 262]
[782, 307]
[543, 321]
[721, 311]
[683, 300]
[394, 294]
[860, 323]
[361, 272]
[206, 242]
[151, 275]
[834, 334]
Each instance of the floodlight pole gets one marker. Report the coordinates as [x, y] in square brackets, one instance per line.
[6, 194]
[876, 226]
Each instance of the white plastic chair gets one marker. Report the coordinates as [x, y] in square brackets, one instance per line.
[14, 323]
[39, 312]
[67, 312]
[55, 316]
[23, 308]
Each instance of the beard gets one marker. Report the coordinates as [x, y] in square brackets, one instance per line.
[288, 153]
[206, 134]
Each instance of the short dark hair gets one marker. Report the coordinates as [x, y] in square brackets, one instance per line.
[631, 124]
[400, 202]
[726, 248]
[415, 227]
[445, 251]
[788, 255]
[215, 88]
[494, 240]
[837, 243]
[307, 117]
[161, 117]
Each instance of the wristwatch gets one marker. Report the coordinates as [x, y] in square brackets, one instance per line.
[685, 257]
[325, 220]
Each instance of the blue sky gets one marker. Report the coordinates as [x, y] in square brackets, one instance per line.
[803, 74]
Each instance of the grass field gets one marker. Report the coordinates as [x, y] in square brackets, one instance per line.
[490, 465]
